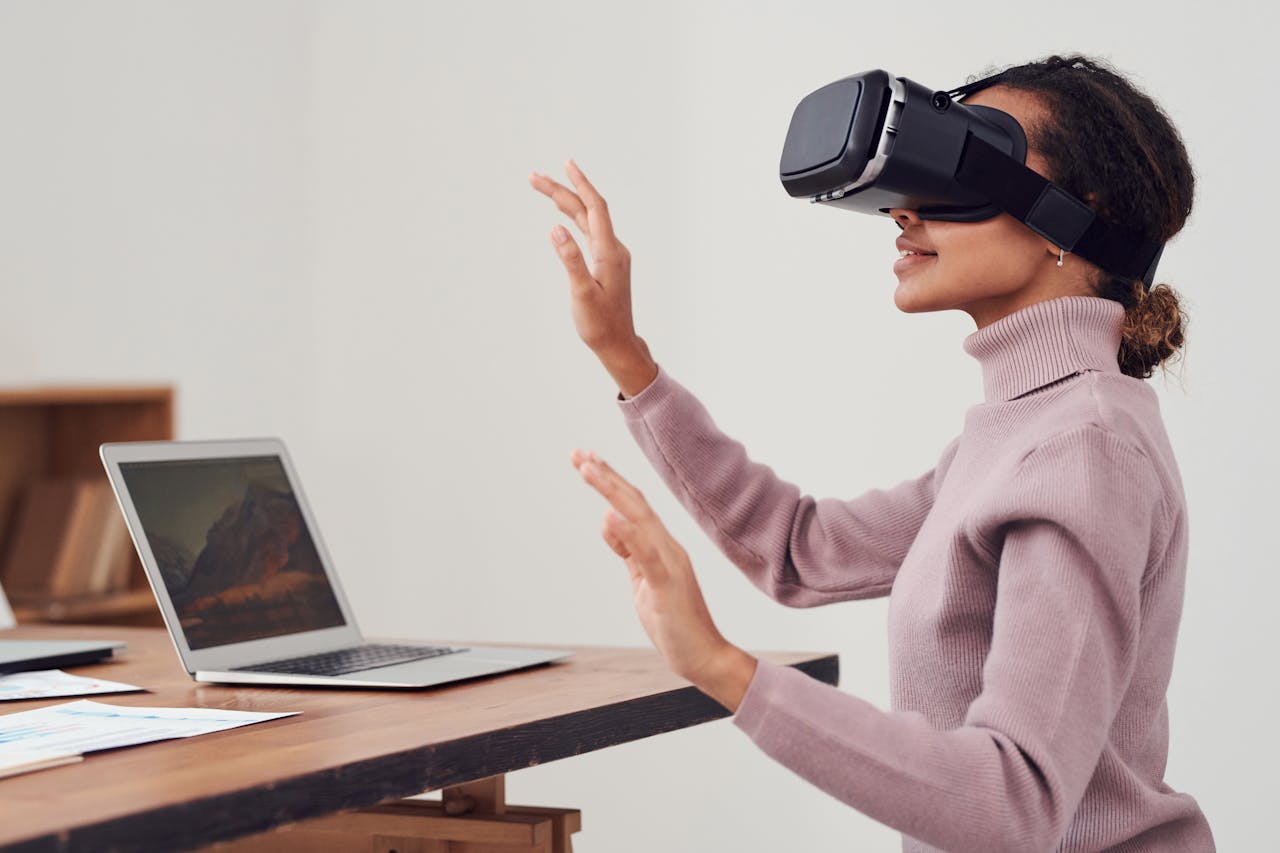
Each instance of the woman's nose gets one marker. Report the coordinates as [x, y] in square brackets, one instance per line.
[904, 216]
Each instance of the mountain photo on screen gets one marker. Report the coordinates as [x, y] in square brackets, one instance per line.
[233, 549]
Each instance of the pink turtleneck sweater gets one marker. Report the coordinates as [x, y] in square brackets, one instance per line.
[1035, 583]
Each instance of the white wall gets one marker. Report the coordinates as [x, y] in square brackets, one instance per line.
[314, 219]
[154, 190]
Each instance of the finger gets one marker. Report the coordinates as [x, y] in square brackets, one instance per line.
[566, 200]
[650, 533]
[571, 256]
[620, 492]
[611, 537]
[608, 473]
[643, 556]
[623, 496]
[597, 210]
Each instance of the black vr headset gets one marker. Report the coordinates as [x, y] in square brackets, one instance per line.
[872, 142]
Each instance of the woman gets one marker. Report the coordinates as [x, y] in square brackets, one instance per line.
[1035, 574]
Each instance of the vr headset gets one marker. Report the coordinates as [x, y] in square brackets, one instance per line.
[873, 142]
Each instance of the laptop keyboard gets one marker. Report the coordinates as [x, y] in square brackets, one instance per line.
[354, 659]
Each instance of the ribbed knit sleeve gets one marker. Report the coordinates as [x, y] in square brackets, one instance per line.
[1074, 531]
[800, 550]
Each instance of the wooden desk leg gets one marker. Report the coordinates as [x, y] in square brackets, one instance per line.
[488, 797]
[484, 796]
[471, 818]
[564, 823]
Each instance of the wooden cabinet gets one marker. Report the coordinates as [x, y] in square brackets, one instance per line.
[52, 434]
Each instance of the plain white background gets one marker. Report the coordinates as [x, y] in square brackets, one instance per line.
[313, 218]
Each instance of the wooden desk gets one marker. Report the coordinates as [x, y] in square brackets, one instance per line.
[348, 748]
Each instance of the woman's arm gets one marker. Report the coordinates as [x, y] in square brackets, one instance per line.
[1084, 520]
[800, 550]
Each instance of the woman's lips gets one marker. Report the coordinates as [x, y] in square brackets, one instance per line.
[909, 262]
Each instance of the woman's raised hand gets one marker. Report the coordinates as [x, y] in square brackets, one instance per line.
[600, 297]
[667, 597]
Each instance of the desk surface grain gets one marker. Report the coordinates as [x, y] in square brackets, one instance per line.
[347, 749]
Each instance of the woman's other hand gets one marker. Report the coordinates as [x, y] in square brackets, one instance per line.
[667, 597]
[601, 296]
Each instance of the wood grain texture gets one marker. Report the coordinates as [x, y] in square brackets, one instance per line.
[348, 748]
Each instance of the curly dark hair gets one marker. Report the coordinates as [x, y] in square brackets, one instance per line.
[1108, 143]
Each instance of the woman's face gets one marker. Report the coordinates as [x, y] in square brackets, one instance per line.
[990, 268]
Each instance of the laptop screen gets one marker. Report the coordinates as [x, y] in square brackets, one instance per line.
[233, 548]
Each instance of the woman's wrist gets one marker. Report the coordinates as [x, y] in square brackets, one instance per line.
[631, 367]
[728, 678]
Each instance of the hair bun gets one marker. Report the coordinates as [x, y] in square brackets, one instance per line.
[1154, 330]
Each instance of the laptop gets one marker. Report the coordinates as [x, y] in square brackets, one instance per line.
[244, 583]
[25, 655]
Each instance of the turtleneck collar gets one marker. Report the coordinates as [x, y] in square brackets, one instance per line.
[1044, 342]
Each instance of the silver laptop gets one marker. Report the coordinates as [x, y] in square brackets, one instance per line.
[23, 655]
[243, 580]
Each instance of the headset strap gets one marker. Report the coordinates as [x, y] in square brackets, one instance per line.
[1054, 213]
[969, 88]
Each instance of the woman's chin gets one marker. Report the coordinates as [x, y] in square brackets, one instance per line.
[912, 298]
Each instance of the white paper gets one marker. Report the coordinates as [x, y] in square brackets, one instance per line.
[48, 683]
[86, 726]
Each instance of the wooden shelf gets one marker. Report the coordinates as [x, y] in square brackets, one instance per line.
[76, 395]
[131, 607]
[54, 432]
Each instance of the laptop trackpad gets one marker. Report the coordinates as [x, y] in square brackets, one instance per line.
[433, 670]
